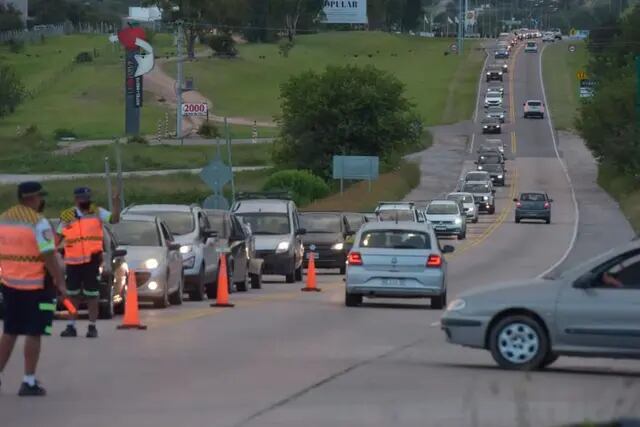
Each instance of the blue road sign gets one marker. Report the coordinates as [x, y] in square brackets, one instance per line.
[216, 174]
[356, 167]
[215, 201]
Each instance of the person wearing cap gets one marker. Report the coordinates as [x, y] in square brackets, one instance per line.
[30, 273]
[81, 230]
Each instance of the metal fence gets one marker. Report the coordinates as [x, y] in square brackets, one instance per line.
[36, 33]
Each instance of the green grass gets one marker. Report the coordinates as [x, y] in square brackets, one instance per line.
[624, 189]
[249, 86]
[244, 132]
[357, 197]
[559, 70]
[134, 157]
[175, 188]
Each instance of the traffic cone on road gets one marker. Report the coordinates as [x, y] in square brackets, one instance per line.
[131, 318]
[222, 295]
[311, 275]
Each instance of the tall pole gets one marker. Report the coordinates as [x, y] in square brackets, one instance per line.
[228, 138]
[461, 15]
[179, 79]
[107, 176]
[638, 92]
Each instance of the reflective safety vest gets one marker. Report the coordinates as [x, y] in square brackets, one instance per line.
[82, 238]
[21, 264]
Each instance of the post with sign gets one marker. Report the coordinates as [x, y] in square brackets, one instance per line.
[355, 167]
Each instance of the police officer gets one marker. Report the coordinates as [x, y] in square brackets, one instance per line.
[81, 229]
[30, 272]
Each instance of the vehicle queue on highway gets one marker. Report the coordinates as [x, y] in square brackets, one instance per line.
[396, 251]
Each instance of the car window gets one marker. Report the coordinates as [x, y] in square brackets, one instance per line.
[492, 167]
[267, 223]
[476, 188]
[203, 222]
[464, 198]
[534, 103]
[396, 215]
[236, 226]
[395, 239]
[621, 272]
[137, 233]
[217, 221]
[355, 221]
[442, 209]
[532, 197]
[179, 223]
[321, 223]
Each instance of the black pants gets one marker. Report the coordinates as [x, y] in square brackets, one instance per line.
[28, 312]
[83, 278]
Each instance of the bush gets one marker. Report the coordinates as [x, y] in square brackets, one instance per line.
[83, 57]
[15, 46]
[208, 130]
[284, 47]
[304, 186]
[12, 91]
[223, 45]
[137, 139]
[61, 133]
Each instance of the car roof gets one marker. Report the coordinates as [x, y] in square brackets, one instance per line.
[395, 206]
[331, 213]
[160, 208]
[262, 205]
[461, 193]
[140, 218]
[400, 225]
[477, 182]
[533, 192]
[533, 100]
[443, 202]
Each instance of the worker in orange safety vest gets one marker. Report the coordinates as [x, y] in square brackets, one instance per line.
[82, 233]
[30, 273]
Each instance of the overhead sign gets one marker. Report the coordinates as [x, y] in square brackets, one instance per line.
[356, 167]
[581, 75]
[195, 109]
[345, 11]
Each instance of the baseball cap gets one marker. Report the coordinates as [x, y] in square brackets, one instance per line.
[30, 188]
[82, 193]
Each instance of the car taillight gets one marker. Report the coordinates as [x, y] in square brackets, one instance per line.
[547, 205]
[354, 258]
[434, 261]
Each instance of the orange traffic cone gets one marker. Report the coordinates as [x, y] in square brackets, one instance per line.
[311, 275]
[222, 297]
[131, 316]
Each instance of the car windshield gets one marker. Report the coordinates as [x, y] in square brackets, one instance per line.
[476, 188]
[136, 233]
[532, 197]
[496, 110]
[216, 222]
[396, 214]
[395, 239]
[534, 103]
[267, 223]
[477, 176]
[179, 223]
[531, 44]
[492, 168]
[465, 198]
[320, 223]
[442, 209]
[355, 221]
[488, 160]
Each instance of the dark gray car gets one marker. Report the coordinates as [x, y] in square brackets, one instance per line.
[533, 206]
[325, 238]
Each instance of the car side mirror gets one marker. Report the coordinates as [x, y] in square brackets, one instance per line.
[447, 249]
[349, 233]
[515, 200]
[119, 253]
[301, 232]
[585, 281]
[550, 200]
[493, 191]
[174, 246]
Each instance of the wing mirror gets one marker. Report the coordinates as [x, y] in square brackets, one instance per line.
[515, 200]
[585, 281]
[301, 232]
[493, 191]
[550, 200]
[174, 246]
[349, 233]
[447, 249]
[119, 253]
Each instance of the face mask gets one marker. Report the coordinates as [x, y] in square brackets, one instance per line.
[41, 206]
[85, 204]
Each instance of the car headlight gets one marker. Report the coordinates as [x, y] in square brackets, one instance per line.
[185, 249]
[338, 246]
[151, 263]
[488, 74]
[500, 73]
[479, 168]
[152, 286]
[497, 126]
[458, 221]
[456, 305]
[500, 177]
[282, 247]
[485, 126]
[485, 198]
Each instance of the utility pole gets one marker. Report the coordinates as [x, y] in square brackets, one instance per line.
[179, 79]
[461, 15]
[638, 92]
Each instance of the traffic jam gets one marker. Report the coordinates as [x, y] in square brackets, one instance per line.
[399, 250]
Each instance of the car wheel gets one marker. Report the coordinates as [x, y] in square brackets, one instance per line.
[351, 300]
[163, 301]
[199, 293]
[439, 302]
[550, 359]
[177, 297]
[517, 220]
[299, 274]
[462, 236]
[548, 220]
[518, 342]
[290, 278]
[256, 281]
[243, 285]
[343, 269]
[475, 220]
[106, 310]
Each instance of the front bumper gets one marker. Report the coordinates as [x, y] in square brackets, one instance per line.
[144, 277]
[448, 230]
[484, 206]
[280, 264]
[491, 129]
[327, 258]
[498, 181]
[463, 330]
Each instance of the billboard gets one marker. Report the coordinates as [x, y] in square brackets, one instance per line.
[345, 12]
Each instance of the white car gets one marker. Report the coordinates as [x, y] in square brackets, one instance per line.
[493, 99]
[468, 203]
[531, 47]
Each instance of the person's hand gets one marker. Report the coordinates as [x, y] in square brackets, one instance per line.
[611, 280]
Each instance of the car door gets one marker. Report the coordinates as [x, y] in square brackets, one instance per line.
[210, 254]
[602, 315]
[297, 237]
[174, 259]
[238, 247]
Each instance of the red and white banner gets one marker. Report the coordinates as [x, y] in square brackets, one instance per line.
[195, 109]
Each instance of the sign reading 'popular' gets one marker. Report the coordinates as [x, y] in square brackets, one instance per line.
[345, 11]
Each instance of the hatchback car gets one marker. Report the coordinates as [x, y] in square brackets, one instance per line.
[497, 113]
[397, 260]
[483, 194]
[494, 73]
[493, 99]
[491, 125]
[531, 47]
[446, 218]
[190, 227]
[494, 143]
[590, 310]
[533, 206]
[325, 238]
[496, 171]
[533, 108]
[468, 204]
[501, 54]
[154, 257]
[397, 211]
[275, 224]
[495, 86]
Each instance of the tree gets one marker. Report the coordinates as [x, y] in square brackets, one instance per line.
[294, 14]
[412, 12]
[11, 90]
[10, 18]
[344, 110]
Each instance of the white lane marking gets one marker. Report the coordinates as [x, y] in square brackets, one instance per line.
[572, 243]
[436, 323]
[473, 138]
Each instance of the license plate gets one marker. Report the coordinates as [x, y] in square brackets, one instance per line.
[315, 255]
[441, 228]
[392, 282]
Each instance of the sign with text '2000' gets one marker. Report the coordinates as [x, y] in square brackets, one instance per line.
[195, 109]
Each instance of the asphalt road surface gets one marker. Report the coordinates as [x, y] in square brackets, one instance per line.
[286, 358]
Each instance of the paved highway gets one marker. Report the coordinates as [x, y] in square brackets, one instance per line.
[285, 358]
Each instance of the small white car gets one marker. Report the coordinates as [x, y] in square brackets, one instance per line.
[493, 99]
[531, 47]
[468, 203]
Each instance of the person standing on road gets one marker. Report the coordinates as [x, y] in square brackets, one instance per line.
[30, 272]
[81, 230]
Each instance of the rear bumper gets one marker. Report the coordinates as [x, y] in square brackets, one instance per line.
[537, 214]
[394, 285]
[536, 114]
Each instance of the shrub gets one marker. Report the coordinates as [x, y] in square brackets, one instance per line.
[208, 130]
[61, 133]
[12, 91]
[223, 45]
[137, 139]
[83, 57]
[284, 47]
[304, 186]
[15, 46]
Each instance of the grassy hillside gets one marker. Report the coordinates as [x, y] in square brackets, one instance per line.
[443, 87]
[560, 68]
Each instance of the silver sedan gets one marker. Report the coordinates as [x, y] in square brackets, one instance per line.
[589, 311]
